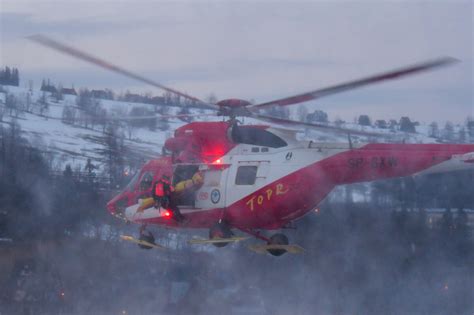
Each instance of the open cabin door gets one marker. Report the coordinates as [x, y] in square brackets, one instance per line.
[184, 184]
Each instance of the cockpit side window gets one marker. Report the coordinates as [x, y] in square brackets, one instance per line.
[146, 181]
[256, 136]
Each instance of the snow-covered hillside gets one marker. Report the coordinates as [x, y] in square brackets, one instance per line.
[73, 143]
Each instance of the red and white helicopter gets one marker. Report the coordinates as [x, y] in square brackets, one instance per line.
[260, 177]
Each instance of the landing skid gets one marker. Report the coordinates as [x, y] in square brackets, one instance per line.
[217, 240]
[140, 242]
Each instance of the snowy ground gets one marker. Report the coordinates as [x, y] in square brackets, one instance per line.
[73, 144]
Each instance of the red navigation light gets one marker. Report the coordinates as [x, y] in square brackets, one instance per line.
[218, 161]
[111, 207]
[167, 214]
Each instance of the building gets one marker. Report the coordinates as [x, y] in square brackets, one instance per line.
[68, 91]
[100, 94]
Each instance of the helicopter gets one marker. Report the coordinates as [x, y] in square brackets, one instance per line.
[252, 178]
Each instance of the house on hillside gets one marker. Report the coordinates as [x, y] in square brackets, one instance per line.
[393, 124]
[99, 94]
[158, 100]
[49, 88]
[68, 91]
[381, 123]
[130, 97]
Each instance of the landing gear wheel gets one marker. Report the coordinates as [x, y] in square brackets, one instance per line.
[220, 230]
[278, 239]
[147, 237]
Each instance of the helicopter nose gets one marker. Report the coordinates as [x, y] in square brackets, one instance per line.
[111, 207]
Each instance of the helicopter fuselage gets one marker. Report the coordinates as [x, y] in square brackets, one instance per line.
[250, 185]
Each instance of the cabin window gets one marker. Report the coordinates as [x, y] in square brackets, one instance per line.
[246, 175]
[212, 178]
[147, 180]
[256, 136]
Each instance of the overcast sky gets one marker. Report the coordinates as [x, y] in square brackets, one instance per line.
[256, 50]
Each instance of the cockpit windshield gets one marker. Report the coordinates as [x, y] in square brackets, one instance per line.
[132, 183]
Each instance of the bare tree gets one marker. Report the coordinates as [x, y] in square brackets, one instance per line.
[28, 103]
[302, 113]
[11, 103]
[448, 131]
[462, 135]
[102, 118]
[163, 124]
[43, 106]
[69, 115]
[364, 120]
[433, 130]
[58, 94]
[407, 125]
[339, 122]
[470, 128]
[2, 112]
[211, 98]
[163, 110]
[319, 116]
[130, 128]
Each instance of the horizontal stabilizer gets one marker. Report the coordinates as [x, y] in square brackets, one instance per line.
[217, 240]
[263, 248]
[468, 157]
[139, 242]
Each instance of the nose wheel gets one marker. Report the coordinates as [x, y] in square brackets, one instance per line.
[146, 237]
[218, 231]
[277, 239]
[276, 245]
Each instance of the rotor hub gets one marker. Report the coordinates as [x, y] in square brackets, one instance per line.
[233, 103]
[233, 107]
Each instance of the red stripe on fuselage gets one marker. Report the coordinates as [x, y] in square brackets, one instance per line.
[307, 187]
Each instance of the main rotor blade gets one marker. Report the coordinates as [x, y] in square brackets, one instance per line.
[131, 118]
[160, 117]
[74, 52]
[316, 126]
[394, 74]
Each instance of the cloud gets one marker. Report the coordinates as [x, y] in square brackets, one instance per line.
[258, 50]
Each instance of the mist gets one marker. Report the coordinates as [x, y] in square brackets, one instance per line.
[382, 253]
[398, 246]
